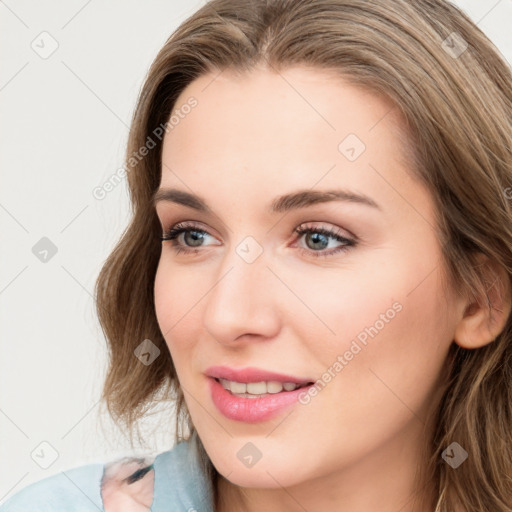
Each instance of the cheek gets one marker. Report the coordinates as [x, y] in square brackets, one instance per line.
[163, 298]
[394, 321]
[388, 373]
[177, 294]
[170, 301]
[349, 305]
[396, 346]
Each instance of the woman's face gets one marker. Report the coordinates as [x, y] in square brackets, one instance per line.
[355, 304]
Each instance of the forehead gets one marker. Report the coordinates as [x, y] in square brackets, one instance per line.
[263, 131]
[301, 109]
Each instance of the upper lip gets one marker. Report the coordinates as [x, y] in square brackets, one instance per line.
[251, 374]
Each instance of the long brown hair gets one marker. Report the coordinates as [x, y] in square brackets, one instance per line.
[455, 94]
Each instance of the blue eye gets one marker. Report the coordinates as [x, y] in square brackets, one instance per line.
[173, 234]
[193, 236]
[321, 235]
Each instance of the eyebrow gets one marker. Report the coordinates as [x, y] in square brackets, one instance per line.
[284, 203]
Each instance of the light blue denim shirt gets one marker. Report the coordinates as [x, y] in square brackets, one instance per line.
[179, 485]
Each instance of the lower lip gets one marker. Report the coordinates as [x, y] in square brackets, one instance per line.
[252, 410]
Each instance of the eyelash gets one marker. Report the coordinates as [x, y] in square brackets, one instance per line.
[172, 234]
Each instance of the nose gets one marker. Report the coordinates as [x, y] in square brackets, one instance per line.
[242, 305]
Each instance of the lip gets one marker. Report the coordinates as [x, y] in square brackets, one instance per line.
[252, 410]
[252, 374]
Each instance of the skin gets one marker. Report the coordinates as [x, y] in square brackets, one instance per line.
[356, 446]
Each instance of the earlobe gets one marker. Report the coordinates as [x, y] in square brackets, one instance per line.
[485, 317]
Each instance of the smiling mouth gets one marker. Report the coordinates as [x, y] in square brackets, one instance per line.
[259, 389]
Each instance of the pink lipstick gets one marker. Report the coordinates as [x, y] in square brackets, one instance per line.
[252, 395]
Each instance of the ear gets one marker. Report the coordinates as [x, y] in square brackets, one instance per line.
[484, 318]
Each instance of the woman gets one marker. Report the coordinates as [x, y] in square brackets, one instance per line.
[371, 372]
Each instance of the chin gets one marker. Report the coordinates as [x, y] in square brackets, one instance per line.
[269, 474]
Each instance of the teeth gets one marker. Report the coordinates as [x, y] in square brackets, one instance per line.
[274, 387]
[257, 388]
[225, 383]
[238, 387]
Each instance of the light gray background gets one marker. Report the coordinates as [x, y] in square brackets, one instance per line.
[64, 125]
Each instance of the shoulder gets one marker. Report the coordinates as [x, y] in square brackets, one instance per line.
[181, 478]
[119, 486]
[77, 489]
[127, 485]
[124, 485]
[175, 478]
